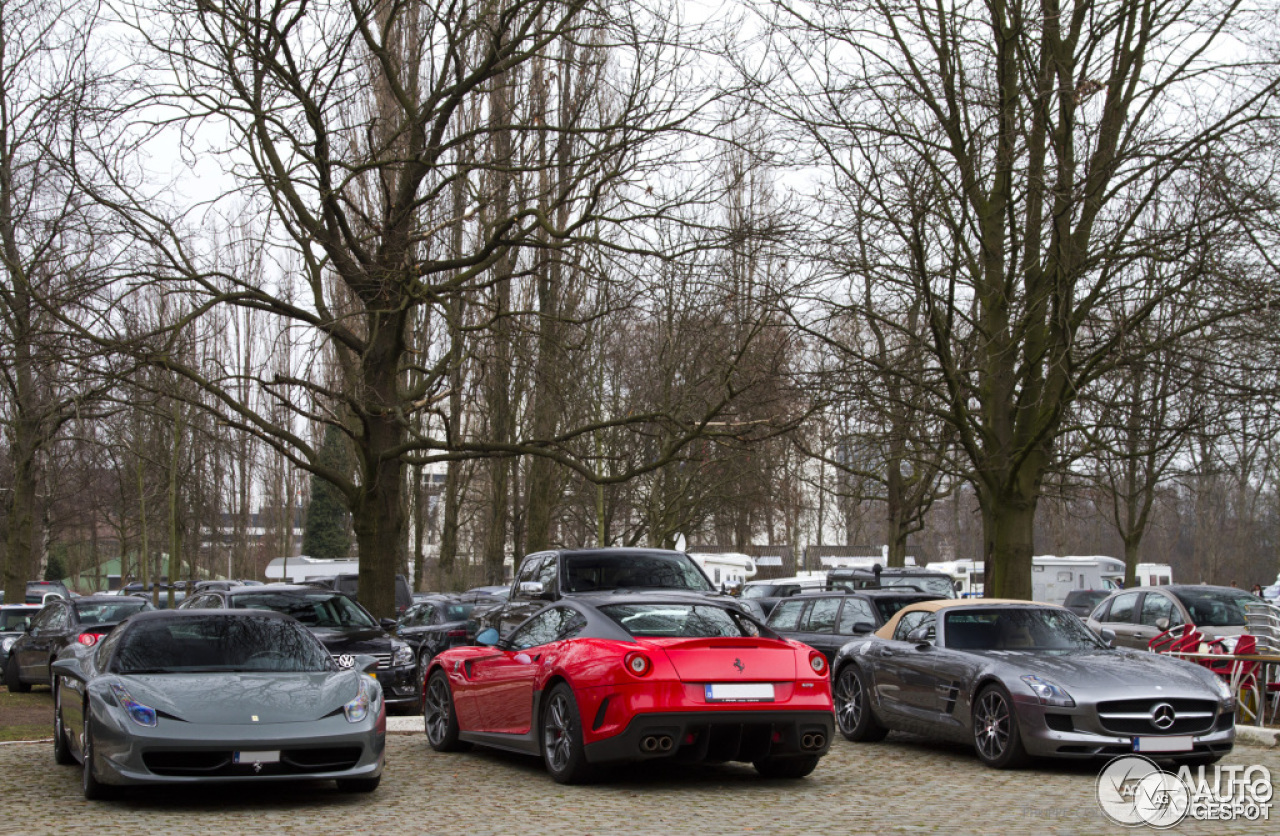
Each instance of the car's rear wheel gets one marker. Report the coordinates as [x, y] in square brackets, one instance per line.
[359, 784]
[438, 715]
[995, 729]
[11, 679]
[61, 749]
[789, 767]
[93, 789]
[853, 707]
[562, 750]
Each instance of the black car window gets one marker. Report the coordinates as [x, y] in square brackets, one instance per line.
[855, 611]
[458, 612]
[313, 609]
[912, 620]
[547, 573]
[555, 624]
[52, 619]
[1122, 608]
[786, 615]
[219, 642]
[529, 572]
[631, 570]
[1018, 628]
[14, 621]
[97, 612]
[822, 616]
[1216, 607]
[1156, 606]
[680, 620]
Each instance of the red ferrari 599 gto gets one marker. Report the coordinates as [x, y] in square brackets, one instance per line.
[626, 677]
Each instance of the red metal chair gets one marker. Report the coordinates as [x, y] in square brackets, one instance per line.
[1180, 639]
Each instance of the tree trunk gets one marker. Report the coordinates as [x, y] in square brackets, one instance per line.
[1008, 532]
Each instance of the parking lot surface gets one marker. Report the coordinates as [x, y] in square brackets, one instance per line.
[901, 785]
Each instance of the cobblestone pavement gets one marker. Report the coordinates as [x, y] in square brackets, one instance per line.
[901, 785]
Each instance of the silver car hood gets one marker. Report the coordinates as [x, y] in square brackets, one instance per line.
[1110, 670]
[244, 698]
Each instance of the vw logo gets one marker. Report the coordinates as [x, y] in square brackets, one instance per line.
[345, 661]
[1162, 716]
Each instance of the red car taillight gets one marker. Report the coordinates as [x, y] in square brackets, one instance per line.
[456, 634]
[87, 639]
[818, 662]
[638, 664]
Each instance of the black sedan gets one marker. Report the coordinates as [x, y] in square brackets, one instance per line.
[1017, 679]
[436, 623]
[15, 619]
[59, 623]
[827, 621]
[344, 627]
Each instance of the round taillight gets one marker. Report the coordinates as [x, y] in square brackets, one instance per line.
[638, 664]
[818, 662]
[88, 639]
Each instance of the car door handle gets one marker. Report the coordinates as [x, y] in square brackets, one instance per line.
[886, 652]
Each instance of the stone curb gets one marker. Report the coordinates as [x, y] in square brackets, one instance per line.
[1257, 736]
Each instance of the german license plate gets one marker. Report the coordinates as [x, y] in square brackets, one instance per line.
[257, 757]
[1176, 743]
[739, 692]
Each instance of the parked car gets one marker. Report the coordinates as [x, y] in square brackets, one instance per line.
[1136, 616]
[15, 619]
[760, 597]
[1017, 679]
[626, 677]
[38, 591]
[925, 580]
[342, 625]
[436, 623]
[547, 577]
[61, 622]
[184, 696]
[1084, 601]
[826, 621]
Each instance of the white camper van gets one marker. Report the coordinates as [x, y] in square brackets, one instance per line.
[1052, 576]
[726, 570]
[1153, 574]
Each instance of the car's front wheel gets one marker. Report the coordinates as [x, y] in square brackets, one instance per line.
[11, 679]
[93, 789]
[562, 750]
[853, 707]
[61, 749]
[995, 729]
[438, 715]
[790, 767]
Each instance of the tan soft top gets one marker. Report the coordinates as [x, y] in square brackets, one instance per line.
[886, 632]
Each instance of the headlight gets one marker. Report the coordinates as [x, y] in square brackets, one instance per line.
[8, 642]
[401, 655]
[1224, 694]
[138, 713]
[1048, 693]
[359, 708]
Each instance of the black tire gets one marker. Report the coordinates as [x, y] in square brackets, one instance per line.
[438, 716]
[796, 766]
[93, 790]
[11, 680]
[995, 730]
[61, 749]
[562, 750]
[853, 707]
[359, 784]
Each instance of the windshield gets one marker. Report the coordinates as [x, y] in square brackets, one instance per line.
[632, 570]
[937, 584]
[313, 609]
[458, 612]
[113, 612]
[1216, 607]
[688, 621]
[219, 642]
[1009, 628]
[759, 590]
[15, 621]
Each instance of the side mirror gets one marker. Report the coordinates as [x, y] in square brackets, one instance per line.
[1162, 624]
[389, 624]
[67, 667]
[488, 637]
[531, 589]
[920, 637]
[863, 627]
[1108, 637]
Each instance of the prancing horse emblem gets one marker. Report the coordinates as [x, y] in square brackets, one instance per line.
[737, 663]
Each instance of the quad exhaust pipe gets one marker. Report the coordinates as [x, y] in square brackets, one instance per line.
[656, 743]
[813, 741]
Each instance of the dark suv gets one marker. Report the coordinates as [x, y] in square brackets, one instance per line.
[545, 577]
[345, 628]
[925, 580]
[350, 583]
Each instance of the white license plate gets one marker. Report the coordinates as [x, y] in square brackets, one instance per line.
[1179, 743]
[740, 692]
[257, 757]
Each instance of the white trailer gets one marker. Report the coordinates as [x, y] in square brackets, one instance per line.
[726, 570]
[1153, 574]
[1053, 576]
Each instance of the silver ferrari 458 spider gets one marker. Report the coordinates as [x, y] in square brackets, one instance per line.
[1017, 679]
[185, 696]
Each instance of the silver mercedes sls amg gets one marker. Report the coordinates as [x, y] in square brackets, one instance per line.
[187, 696]
[1017, 679]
